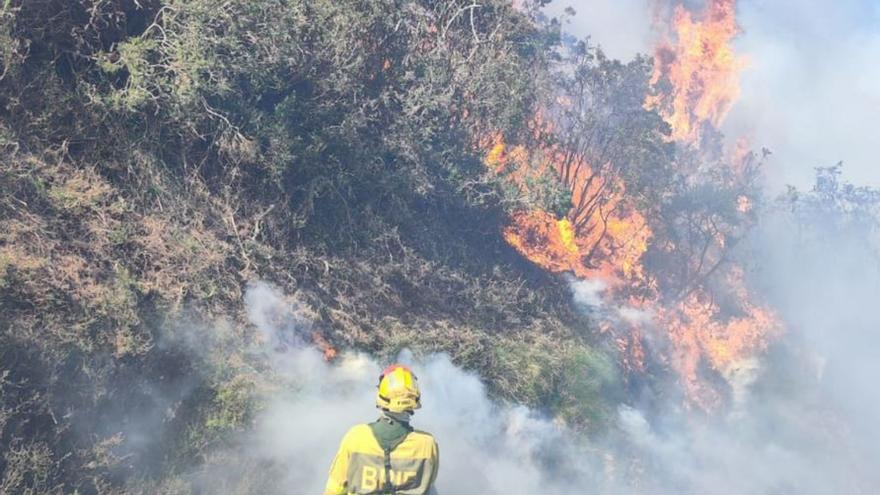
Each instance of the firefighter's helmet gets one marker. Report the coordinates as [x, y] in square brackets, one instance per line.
[398, 390]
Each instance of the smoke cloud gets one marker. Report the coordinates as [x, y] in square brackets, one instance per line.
[776, 438]
[810, 92]
[623, 28]
[801, 418]
[485, 447]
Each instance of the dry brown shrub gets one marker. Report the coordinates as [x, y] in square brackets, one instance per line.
[79, 189]
[14, 257]
[180, 259]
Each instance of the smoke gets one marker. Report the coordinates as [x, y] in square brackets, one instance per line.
[811, 89]
[623, 28]
[811, 92]
[587, 293]
[485, 447]
[590, 296]
[822, 273]
[779, 436]
[799, 419]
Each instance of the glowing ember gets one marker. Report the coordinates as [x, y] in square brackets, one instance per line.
[328, 350]
[697, 74]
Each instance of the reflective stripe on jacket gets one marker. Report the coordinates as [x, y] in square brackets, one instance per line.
[359, 465]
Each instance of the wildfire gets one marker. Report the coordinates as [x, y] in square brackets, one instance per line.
[702, 336]
[326, 348]
[605, 234]
[697, 73]
[696, 79]
[546, 241]
[602, 235]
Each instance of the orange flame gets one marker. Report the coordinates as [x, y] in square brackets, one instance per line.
[606, 235]
[696, 78]
[610, 245]
[546, 242]
[702, 335]
[326, 348]
[697, 74]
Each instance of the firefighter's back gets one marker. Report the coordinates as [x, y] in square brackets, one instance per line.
[413, 463]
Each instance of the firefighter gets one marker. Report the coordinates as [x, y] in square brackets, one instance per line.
[387, 456]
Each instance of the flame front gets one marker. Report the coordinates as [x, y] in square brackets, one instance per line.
[602, 235]
[702, 335]
[698, 71]
[605, 234]
[696, 79]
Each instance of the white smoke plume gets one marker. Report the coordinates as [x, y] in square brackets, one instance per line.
[485, 447]
[588, 293]
[775, 440]
[811, 91]
[811, 88]
[590, 296]
[623, 28]
[802, 418]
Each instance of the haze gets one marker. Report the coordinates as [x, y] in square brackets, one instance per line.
[811, 93]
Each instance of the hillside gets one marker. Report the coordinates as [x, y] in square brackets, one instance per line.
[220, 220]
[159, 156]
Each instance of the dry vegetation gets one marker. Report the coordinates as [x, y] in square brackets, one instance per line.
[157, 156]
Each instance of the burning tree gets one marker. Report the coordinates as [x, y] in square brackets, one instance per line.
[606, 151]
[657, 207]
[710, 210]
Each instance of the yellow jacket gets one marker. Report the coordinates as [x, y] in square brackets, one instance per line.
[359, 465]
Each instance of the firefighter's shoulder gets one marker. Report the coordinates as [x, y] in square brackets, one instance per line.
[419, 444]
[360, 438]
[359, 435]
[422, 435]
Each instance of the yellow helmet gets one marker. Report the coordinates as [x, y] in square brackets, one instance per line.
[398, 390]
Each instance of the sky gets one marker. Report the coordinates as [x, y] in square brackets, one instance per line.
[810, 93]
